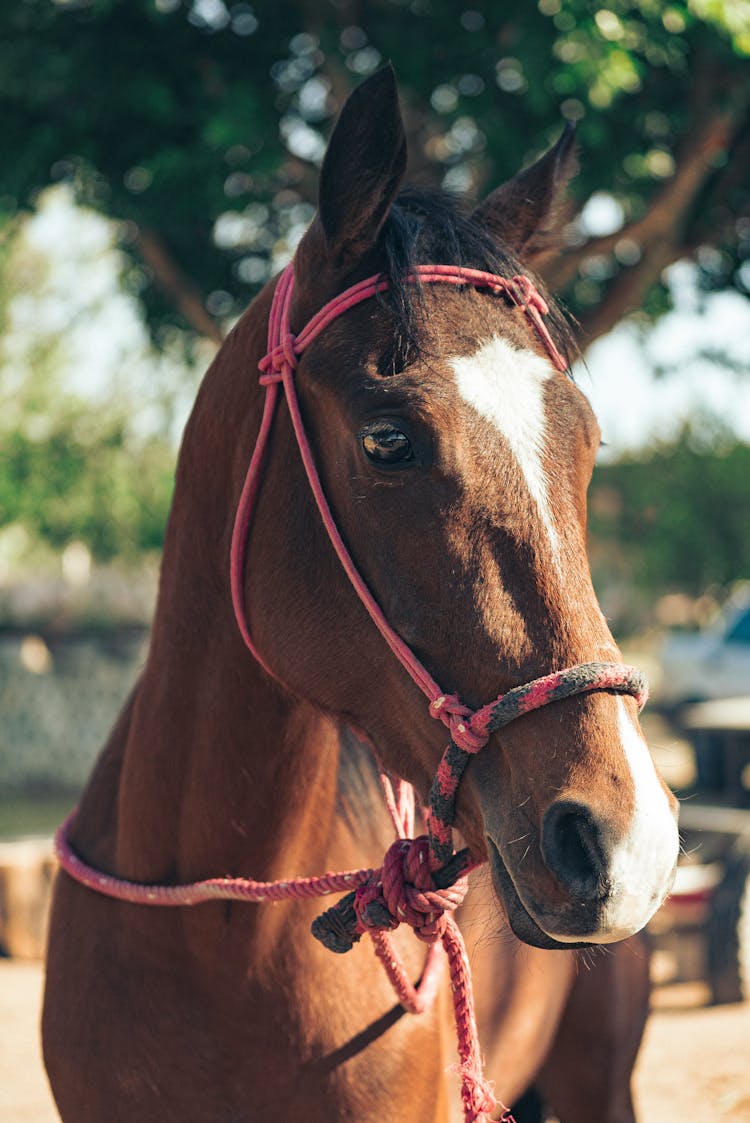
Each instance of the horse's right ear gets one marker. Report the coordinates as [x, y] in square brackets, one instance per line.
[363, 168]
[524, 213]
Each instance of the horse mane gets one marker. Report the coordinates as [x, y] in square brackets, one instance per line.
[427, 226]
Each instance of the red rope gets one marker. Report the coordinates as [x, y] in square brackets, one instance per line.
[198, 892]
[403, 897]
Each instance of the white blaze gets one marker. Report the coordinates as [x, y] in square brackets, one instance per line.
[641, 863]
[506, 386]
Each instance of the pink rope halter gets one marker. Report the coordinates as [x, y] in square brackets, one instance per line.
[422, 881]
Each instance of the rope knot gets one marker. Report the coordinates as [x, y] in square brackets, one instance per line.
[283, 354]
[530, 294]
[404, 892]
[467, 728]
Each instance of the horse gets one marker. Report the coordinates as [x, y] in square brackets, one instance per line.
[452, 453]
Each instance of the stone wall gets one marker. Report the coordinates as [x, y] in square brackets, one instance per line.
[59, 697]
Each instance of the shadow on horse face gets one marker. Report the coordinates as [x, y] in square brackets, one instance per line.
[456, 462]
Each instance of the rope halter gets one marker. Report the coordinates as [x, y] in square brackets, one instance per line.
[469, 729]
[421, 881]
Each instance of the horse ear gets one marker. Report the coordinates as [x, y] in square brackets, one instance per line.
[523, 213]
[363, 167]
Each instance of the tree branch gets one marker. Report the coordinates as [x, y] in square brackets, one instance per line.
[177, 286]
[665, 216]
[626, 293]
[734, 175]
[660, 233]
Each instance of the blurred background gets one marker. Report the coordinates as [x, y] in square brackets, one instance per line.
[160, 163]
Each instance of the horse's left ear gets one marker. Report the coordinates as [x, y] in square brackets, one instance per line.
[363, 168]
[522, 213]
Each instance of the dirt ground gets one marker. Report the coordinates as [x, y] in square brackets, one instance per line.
[695, 1063]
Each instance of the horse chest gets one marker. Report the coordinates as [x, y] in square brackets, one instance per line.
[319, 1040]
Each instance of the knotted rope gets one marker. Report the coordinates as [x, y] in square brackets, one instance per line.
[437, 867]
[421, 881]
[405, 892]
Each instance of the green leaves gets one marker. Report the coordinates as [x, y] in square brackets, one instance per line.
[675, 519]
[83, 481]
[169, 114]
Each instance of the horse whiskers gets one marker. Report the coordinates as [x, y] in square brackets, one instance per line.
[688, 853]
[497, 937]
[587, 956]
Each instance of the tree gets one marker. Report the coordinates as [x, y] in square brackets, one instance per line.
[198, 124]
[674, 519]
[72, 468]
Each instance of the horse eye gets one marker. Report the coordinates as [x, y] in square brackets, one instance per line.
[384, 444]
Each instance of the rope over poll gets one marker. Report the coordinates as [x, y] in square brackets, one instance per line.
[421, 881]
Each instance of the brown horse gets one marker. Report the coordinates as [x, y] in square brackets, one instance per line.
[456, 462]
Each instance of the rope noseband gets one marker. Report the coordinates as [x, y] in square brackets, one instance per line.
[422, 881]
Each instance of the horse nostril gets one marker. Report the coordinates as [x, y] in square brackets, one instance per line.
[572, 849]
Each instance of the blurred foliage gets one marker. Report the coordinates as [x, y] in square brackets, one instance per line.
[199, 124]
[73, 468]
[676, 519]
[87, 481]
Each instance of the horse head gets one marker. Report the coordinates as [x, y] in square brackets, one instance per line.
[455, 458]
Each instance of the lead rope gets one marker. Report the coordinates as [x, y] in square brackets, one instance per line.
[422, 881]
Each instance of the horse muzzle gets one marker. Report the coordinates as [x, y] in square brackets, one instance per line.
[578, 884]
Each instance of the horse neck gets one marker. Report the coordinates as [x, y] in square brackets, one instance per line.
[222, 773]
[223, 770]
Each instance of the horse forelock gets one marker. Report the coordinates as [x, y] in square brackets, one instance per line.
[426, 226]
